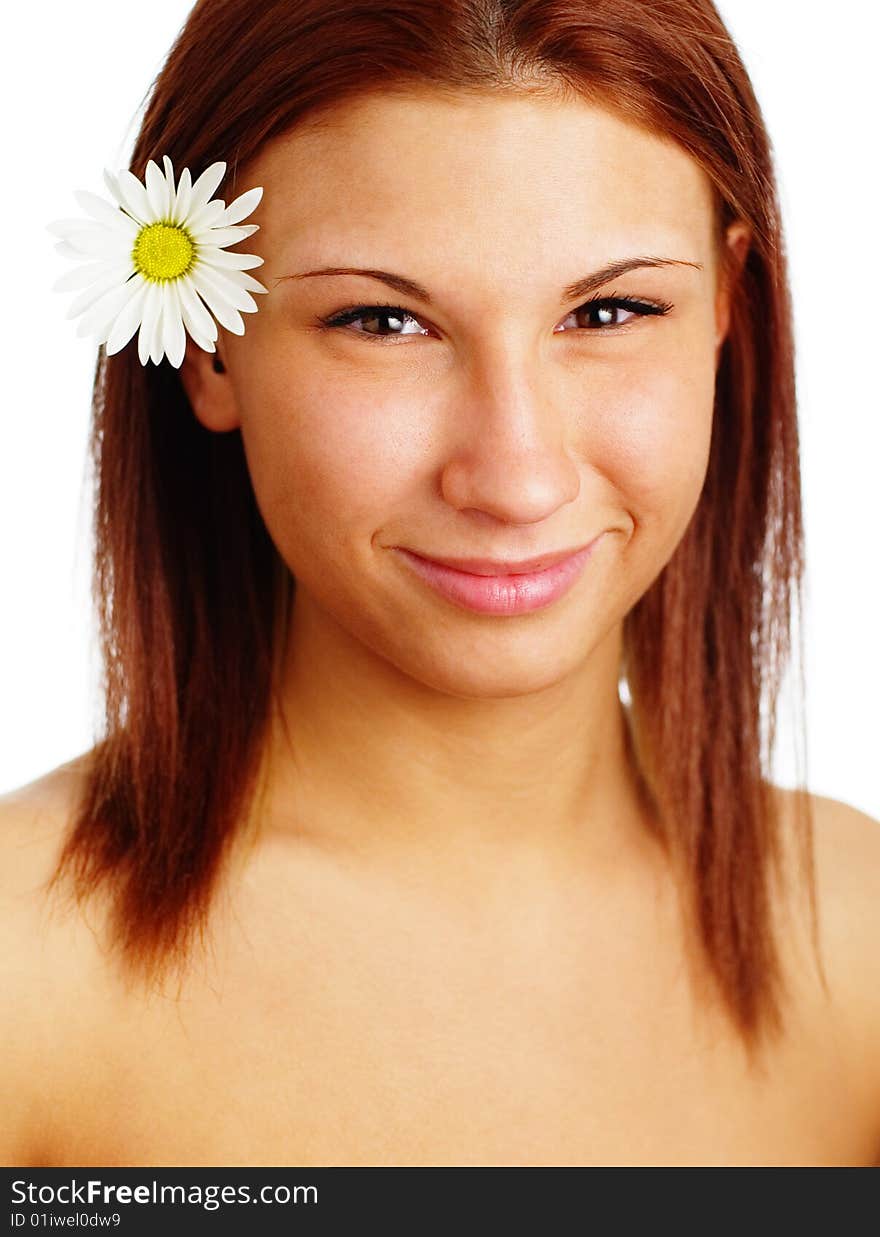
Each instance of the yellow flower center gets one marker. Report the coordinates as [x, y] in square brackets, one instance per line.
[163, 251]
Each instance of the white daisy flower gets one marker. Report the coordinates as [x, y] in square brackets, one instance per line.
[157, 261]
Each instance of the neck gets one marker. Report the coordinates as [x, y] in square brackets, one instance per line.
[363, 758]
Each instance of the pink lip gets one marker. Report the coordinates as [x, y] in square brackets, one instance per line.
[516, 591]
[502, 567]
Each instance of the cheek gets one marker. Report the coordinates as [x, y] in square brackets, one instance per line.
[325, 464]
[656, 438]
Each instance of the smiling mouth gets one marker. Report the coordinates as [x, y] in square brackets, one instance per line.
[501, 587]
[498, 566]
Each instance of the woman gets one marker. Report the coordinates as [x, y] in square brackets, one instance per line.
[373, 865]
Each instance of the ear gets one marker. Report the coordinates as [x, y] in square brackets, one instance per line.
[208, 387]
[737, 242]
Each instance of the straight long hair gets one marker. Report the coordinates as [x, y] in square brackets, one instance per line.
[193, 599]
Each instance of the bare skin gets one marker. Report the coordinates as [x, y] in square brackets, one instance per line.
[448, 938]
[347, 1017]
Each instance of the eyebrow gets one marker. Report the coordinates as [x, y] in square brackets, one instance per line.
[580, 287]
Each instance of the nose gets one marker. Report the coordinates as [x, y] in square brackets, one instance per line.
[511, 460]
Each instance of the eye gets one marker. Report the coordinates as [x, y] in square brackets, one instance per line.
[603, 313]
[598, 314]
[392, 317]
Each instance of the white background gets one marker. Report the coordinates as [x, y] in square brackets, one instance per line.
[72, 93]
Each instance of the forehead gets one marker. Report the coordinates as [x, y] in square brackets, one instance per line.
[517, 179]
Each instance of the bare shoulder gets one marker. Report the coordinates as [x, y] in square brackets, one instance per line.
[847, 843]
[847, 866]
[44, 958]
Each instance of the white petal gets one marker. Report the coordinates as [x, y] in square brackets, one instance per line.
[226, 287]
[203, 189]
[252, 285]
[184, 197]
[196, 318]
[243, 206]
[129, 317]
[135, 197]
[239, 278]
[103, 212]
[66, 227]
[208, 217]
[80, 277]
[101, 243]
[169, 180]
[98, 318]
[225, 258]
[232, 319]
[225, 314]
[174, 334]
[67, 250]
[157, 191]
[207, 345]
[157, 341]
[224, 236]
[152, 305]
[113, 277]
[113, 185]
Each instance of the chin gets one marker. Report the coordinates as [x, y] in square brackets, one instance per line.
[472, 670]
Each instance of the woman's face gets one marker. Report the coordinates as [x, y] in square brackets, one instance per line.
[497, 416]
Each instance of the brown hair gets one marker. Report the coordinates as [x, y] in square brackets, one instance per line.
[193, 597]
